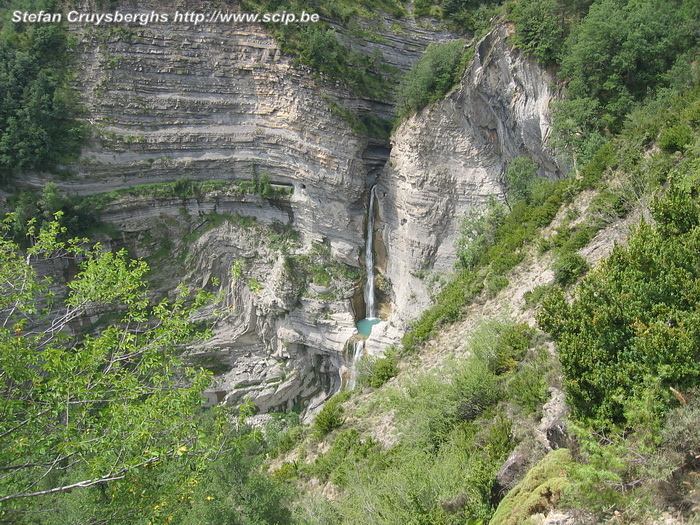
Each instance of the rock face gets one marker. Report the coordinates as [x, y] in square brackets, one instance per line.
[450, 158]
[217, 101]
[220, 102]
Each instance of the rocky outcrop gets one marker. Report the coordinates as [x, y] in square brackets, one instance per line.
[450, 158]
[280, 339]
[216, 101]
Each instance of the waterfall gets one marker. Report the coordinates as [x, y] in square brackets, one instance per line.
[370, 307]
[358, 349]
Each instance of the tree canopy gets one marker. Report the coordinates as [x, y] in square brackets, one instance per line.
[84, 406]
[38, 128]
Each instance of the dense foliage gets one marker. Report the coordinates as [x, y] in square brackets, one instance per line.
[432, 77]
[94, 406]
[38, 128]
[74, 213]
[631, 329]
[633, 325]
[611, 53]
[103, 423]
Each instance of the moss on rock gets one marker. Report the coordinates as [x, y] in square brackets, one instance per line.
[537, 493]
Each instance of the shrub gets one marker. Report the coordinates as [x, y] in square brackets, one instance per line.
[476, 390]
[675, 213]
[478, 233]
[520, 176]
[568, 268]
[375, 372]
[675, 138]
[495, 284]
[432, 77]
[680, 454]
[75, 214]
[500, 344]
[331, 415]
[544, 214]
[186, 188]
[607, 207]
[634, 322]
[347, 449]
[528, 386]
[579, 238]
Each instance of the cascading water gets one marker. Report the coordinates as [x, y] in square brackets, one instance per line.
[365, 325]
[358, 350]
[370, 308]
[356, 345]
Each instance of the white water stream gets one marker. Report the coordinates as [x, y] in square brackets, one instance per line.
[370, 306]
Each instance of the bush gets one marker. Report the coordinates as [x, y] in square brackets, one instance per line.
[528, 386]
[347, 450]
[186, 188]
[568, 268]
[633, 324]
[375, 372]
[544, 214]
[331, 415]
[500, 344]
[675, 213]
[431, 78]
[675, 138]
[495, 284]
[520, 176]
[475, 389]
[75, 214]
[479, 233]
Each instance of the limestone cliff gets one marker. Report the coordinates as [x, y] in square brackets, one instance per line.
[220, 102]
[451, 157]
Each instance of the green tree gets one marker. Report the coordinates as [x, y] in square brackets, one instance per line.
[619, 53]
[75, 215]
[479, 233]
[520, 177]
[38, 128]
[101, 408]
[540, 28]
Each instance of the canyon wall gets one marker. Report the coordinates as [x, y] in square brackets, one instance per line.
[220, 102]
[450, 158]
